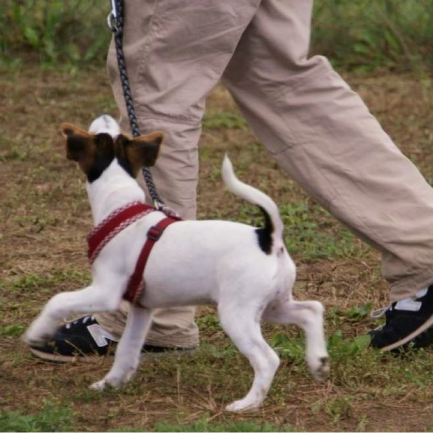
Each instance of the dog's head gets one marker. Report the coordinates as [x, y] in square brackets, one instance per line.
[95, 150]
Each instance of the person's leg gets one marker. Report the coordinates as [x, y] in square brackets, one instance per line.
[171, 327]
[175, 53]
[323, 135]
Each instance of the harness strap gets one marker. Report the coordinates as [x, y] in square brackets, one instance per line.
[113, 224]
[136, 283]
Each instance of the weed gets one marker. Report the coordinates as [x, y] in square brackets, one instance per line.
[50, 419]
[209, 322]
[292, 349]
[339, 408]
[356, 313]
[353, 314]
[341, 348]
[12, 330]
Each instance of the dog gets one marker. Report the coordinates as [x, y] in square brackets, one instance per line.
[245, 271]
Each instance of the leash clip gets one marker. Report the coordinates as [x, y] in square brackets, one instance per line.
[158, 205]
[112, 17]
[165, 209]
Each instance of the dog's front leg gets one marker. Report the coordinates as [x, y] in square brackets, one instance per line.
[89, 300]
[128, 351]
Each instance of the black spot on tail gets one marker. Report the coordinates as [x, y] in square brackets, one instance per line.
[264, 234]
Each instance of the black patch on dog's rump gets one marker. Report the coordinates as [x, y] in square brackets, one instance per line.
[264, 234]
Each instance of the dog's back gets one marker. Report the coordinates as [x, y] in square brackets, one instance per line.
[196, 262]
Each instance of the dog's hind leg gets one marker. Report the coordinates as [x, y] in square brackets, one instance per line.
[89, 300]
[242, 324]
[309, 316]
[128, 351]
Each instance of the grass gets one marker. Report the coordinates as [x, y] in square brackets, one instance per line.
[203, 425]
[45, 218]
[50, 419]
[53, 419]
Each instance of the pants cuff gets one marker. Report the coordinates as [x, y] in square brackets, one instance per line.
[411, 286]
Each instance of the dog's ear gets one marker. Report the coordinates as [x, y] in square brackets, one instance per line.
[80, 145]
[142, 151]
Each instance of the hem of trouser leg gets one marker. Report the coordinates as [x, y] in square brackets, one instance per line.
[411, 286]
[179, 343]
[155, 339]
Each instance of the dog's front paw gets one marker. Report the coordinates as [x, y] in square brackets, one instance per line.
[321, 369]
[35, 340]
[39, 332]
[99, 386]
[107, 382]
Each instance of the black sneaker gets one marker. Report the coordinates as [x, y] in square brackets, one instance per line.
[85, 340]
[409, 323]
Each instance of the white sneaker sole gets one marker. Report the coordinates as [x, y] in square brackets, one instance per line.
[95, 358]
[64, 359]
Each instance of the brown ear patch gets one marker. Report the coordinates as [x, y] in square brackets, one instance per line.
[80, 146]
[141, 151]
[68, 129]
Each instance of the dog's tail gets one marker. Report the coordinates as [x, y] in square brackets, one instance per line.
[271, 235]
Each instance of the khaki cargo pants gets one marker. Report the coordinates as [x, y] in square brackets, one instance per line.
[306, 116]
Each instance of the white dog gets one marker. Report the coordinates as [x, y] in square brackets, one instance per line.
[246, 272]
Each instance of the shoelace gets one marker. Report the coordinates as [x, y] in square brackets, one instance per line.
[83, 320]
[380, 312]
[377, 314]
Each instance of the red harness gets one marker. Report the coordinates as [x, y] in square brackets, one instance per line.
[115, 223]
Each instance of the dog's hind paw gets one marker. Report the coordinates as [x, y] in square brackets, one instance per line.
[321, 372]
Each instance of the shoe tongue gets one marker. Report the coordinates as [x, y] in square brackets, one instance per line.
[408, 304]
